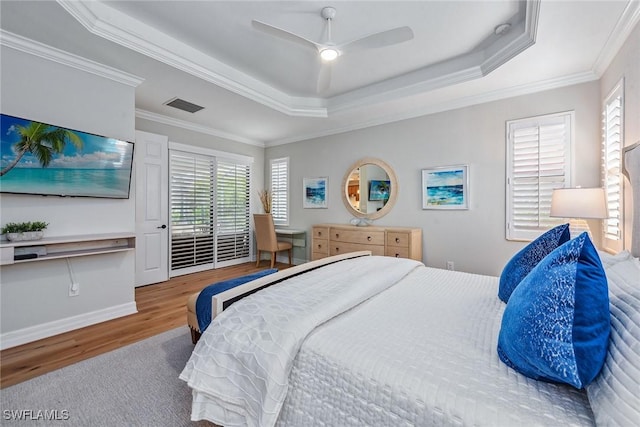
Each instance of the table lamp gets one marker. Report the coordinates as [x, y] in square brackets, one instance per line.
[579, 204]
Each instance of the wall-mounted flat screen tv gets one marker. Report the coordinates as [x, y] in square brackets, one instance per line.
[43, 159]
[379, 189]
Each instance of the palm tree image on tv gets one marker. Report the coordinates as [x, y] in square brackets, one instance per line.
[43, 141]
[43, 159]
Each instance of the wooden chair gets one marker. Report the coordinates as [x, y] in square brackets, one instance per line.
[266, 238]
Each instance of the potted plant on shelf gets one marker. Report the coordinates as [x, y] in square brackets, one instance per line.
[18, 231]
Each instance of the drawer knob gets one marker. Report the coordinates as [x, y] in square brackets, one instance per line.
[369, 238]
[397, 240]
[337, 235]
[397, 255]
[337, 249]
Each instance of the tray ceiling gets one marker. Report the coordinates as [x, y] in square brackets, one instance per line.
[262, 89]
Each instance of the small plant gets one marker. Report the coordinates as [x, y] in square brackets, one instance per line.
[22, 227]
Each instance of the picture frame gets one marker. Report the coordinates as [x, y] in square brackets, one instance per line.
[314, 192]
[445, 187]
[379, 190]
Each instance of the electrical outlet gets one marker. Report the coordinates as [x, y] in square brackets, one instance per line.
[74, 289]
[450, 265]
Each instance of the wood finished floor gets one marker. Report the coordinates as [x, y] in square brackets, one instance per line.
[161, 307]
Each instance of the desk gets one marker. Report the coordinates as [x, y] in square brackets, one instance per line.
[296, 237]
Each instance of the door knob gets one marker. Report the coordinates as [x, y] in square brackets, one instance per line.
[163, 226]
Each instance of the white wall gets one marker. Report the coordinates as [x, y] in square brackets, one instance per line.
[202, 140]
[473, 239]
[626, 64]
[35, 295]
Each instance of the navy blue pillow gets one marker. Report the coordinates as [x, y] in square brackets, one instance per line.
[528, 257]
[556, 324]
[203, 303]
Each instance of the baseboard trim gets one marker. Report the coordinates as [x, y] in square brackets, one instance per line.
[45, 330]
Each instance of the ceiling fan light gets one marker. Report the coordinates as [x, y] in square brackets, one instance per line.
[329, 54]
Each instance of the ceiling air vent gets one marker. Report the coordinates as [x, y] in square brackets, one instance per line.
[183, 105]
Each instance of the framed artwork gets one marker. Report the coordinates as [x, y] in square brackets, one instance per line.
[379, 189]
[445, 187]
[314, 193]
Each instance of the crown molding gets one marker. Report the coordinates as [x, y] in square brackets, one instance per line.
[447, 106]
[53, 54]
[184, 124]
[625, 25]
[518, 45]
[113, 25]
[491, 53]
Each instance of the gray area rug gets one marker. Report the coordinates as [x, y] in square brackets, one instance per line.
[136, 385]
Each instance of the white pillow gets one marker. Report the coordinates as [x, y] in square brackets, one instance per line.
[615, 393]
[608, 259]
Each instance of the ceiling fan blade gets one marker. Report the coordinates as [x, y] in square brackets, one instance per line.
[381, 39]
[324, 78]
[283, 34]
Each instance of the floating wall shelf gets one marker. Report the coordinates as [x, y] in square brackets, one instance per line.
[50, 248]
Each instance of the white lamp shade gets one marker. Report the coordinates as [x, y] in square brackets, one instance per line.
[579, 203]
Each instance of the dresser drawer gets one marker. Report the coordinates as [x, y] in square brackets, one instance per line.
[318, 255]
[320, 246]
[337, 248]
[398, 239]
[397, 251]
[320, 233]
[357, 236]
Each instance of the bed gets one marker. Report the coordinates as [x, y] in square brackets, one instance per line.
[367, 340]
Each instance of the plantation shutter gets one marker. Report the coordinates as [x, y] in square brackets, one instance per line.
[280, 191]
[233, 209]
[612, 127]
[538, 153]
[191, 198]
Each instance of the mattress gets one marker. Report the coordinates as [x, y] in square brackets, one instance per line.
[239, 369]
[422, 352]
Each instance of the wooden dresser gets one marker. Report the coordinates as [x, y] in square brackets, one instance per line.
[334, 239]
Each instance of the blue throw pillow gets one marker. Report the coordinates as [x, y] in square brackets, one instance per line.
[556, 324]
[203, 303]
[528, 257]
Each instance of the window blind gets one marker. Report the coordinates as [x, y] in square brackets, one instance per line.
[232, 210]
[538, 161]
[280, 191]
[191, 199]
[612, 126]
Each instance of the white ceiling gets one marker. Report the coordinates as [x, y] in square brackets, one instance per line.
[260, 89]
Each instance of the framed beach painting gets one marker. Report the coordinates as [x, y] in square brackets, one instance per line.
[379, 190]
[314, 193]
[445, 187]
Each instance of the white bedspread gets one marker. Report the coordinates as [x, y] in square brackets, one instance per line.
[240, 367]
[422, 353]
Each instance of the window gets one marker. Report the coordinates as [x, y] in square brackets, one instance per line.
[280, 191]
[191, 200]
[209, 204]
[538, 161]
[612, 128]
[232, 211]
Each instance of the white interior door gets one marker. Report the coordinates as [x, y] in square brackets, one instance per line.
[152, 208]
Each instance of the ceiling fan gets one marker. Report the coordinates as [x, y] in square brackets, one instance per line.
[328, 51]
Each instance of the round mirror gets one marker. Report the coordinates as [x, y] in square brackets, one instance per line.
[370, 188]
